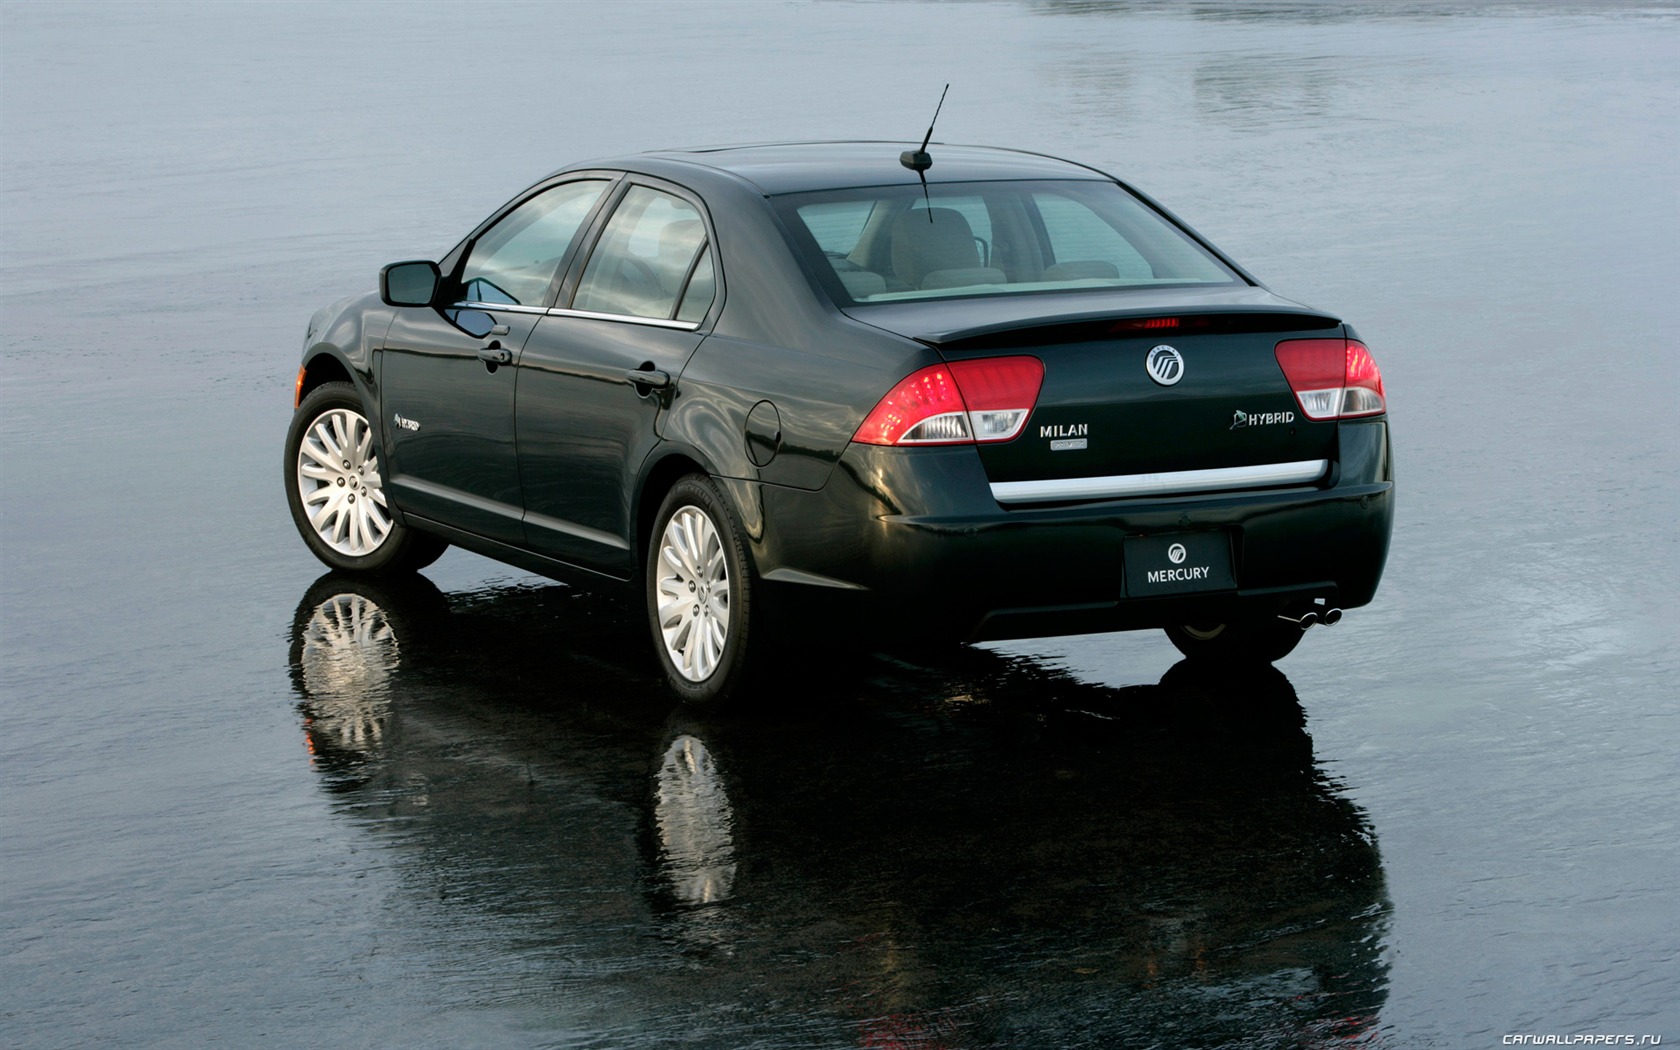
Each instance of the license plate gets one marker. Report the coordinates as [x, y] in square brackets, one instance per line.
[1178, 563]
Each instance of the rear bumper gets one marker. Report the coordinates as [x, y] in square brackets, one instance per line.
[912, 542]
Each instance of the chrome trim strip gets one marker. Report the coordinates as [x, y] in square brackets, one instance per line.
[514, 308]
[656, 322]
[436, 491]
[567, 528]
[504, 308]
[1176, 482]
[811, 579]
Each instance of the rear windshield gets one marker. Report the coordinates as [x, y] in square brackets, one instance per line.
[887, 244]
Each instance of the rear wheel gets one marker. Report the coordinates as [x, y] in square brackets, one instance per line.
[1261, 640]
[336, 490]
[699, 593]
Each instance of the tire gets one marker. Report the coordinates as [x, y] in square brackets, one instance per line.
[1255, 641]
[336, 490]
[699, 591]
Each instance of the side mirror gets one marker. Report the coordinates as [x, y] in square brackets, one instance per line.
[409, 283]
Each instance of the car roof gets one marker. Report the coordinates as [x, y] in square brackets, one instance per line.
[793, 167]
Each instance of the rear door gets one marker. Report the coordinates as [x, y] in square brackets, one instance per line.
[598, 373]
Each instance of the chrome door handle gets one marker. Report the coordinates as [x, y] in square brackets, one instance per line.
[495, 355]
[649, 377]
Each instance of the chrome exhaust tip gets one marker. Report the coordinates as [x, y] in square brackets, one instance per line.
[1312, 617]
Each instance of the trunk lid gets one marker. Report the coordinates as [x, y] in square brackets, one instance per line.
[1222, 415]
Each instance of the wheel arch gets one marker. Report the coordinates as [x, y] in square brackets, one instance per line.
[663, 470]
[321, 368]
[657, 479]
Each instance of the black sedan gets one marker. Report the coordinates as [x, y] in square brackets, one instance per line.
[810, 393]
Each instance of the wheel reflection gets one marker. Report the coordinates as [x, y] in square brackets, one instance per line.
[696, 824]
[346, 652]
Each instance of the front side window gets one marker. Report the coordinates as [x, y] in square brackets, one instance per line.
[993, 238]
[650, 261]
[514, 261]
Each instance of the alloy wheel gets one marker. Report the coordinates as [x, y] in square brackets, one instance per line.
[693, 593]
[338, 481]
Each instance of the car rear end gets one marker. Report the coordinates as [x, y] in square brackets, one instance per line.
[1120, 503]
[1095, 444]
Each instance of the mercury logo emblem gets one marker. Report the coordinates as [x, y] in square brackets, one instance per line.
[1176, 554]
[1164, 365]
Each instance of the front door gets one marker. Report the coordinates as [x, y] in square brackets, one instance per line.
[448, 402]
[447, 373]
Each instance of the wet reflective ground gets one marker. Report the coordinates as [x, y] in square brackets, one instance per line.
[968, 849]
[247, 804]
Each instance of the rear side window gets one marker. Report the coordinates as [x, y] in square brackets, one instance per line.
[994, 238]
[650, 260]
[702, 289]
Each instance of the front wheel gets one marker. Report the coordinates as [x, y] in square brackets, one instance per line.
[1263, 640]
[699, 593]
[336, 490]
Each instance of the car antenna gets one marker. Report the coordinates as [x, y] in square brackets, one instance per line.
[918, 160]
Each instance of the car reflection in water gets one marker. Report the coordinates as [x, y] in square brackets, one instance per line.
[963, 849]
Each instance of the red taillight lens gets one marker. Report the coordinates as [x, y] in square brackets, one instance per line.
[926, 402]
[957, 404]
[1332, 378]
[1001, 393]
[1364, 394]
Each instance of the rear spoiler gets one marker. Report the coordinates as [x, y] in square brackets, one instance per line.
[1122, 326]
[1084, 314]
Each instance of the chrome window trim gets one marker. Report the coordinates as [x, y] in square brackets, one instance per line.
[657, 322]
[506, 308]
[514, 308]
[1172, 483]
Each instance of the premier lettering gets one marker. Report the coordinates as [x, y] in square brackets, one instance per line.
[1185, 575]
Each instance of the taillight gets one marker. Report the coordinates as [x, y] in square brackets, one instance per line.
[1363, 395]
[1332, 378]
[988, 399]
